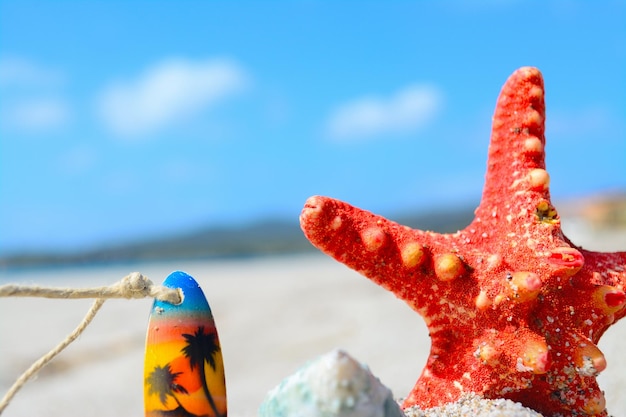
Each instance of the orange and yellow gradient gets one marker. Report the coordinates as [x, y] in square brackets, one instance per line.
[184, 369]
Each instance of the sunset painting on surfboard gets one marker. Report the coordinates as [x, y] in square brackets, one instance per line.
[184, 369]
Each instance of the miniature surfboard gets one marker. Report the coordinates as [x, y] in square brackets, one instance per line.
[183, 368]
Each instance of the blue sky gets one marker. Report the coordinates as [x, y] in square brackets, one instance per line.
[131, 119]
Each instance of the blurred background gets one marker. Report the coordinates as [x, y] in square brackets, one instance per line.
[150, 129]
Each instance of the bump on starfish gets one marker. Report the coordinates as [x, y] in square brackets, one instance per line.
[514, 309]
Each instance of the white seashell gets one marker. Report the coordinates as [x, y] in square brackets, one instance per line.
[333, 385]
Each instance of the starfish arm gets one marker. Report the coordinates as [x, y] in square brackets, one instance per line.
[604, 277]
[612, 264]
[384, 251]
[617, 271]
[515, 212]
[516, 160]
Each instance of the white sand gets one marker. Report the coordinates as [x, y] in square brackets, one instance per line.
[272, 314]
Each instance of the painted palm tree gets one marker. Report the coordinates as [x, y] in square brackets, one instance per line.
[203, 347]
[162, 381]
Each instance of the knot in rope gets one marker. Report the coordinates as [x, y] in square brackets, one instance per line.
[136, 285]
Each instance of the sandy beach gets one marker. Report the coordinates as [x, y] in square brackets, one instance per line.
[273, 315]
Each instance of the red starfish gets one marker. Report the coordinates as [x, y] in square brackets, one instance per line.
[513, 308]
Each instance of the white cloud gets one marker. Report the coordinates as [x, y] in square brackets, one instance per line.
[24, 73]
[31, 97]
[35, 114]
[408, 110]
[167, 92]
